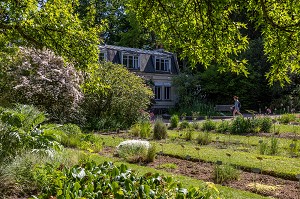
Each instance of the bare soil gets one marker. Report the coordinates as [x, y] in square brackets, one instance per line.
[279, 188]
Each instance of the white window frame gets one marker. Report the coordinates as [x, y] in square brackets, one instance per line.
[166, 66]
[135, 60]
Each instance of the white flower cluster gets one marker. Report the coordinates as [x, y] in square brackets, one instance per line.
[134, 144]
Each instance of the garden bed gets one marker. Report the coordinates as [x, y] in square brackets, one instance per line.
[265, 184]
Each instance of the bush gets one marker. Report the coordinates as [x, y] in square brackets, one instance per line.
[109, 98]
[188, 134]
[141, 129]
[151, 153]
[266, 124]
[160, 130]
[208, 125]
[241, 125]
[184, 124]
[224, 173]
[134, 150]
[174, 121]
[204, 138]
[223, 127]
[41, 78]
[287, 118]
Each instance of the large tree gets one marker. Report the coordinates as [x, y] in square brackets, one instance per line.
[208, 31]
[53, 24]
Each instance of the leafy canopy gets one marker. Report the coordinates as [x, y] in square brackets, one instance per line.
[209, 32]
[53, 24]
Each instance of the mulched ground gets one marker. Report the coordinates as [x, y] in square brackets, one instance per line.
[280, 188]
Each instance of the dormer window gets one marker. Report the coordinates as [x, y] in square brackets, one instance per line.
[131, 61]
[162, 64]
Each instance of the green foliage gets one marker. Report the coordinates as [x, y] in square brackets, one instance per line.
[184, 124]
[263, 147]
[287, 118]
[204, 138]
[208, 125]
[141, 129]
[241, 125]
[160, 130]
[266, 124]
[116, 182]
[109, 100]
[188, 134]
[174, 121]
[51, 24]
[20, 132]
[24, 117]
[224, 173]
[151, 153]
[217, 36]
[223, 127]
[274, 147]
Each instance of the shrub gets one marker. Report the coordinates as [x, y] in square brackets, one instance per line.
[135, 129]
[145, 129]
[204, 138]
[41, 78]
[224, 173]
[111, 99]
[184, 124]
[223, 127]
[266, 124]
[287, 118]
[133, 150]
[188, 134]
[195, 125]
[174, 121]
[160, 130]
[208, 125]
[241, 125]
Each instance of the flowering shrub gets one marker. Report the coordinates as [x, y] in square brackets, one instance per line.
[133, 150]
[43, 79]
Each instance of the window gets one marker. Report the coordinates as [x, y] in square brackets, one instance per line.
[103, 56]
[162, 64]
[130, 61]
[157, 92]
[167, 93]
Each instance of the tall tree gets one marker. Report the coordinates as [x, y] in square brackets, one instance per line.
[53, 24]
[207, 31]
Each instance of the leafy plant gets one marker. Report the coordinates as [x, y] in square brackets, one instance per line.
[266, 124]
[287, 118]
[241, 125]
[184, 124]
[188, 134]
[116, 182]
[160, 130]
[204, 138]
[223, 127]
[174, 121]
[208, 125]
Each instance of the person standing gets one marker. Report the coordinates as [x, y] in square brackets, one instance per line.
[236, 106]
